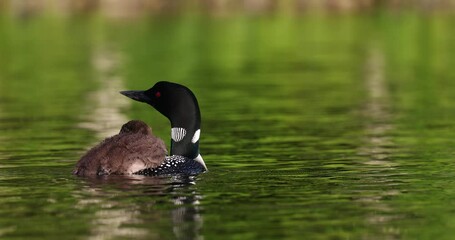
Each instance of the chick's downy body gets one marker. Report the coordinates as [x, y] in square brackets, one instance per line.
[133, 149]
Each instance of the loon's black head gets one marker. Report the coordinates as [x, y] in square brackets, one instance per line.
[180, 106]
[173, 100]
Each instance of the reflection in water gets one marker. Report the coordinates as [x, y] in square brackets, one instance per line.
[107, 224]
[4, 231]
[106, 118]
[111, 217]
[3, 153]
[187, 220]
[377, 140]
[377, 111]
[120, 215]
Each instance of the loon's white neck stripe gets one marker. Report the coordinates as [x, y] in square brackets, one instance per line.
[177, 134]
[196, 136]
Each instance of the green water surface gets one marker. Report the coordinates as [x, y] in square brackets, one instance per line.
[314, 126]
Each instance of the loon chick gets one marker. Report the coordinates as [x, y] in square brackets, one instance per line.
[180, 106]
[133, 149]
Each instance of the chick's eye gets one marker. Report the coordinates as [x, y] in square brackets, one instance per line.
[157, 94]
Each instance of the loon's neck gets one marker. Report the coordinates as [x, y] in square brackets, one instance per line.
[185, 135]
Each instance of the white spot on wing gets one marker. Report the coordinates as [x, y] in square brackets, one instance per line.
[177, 134]
[196, 136]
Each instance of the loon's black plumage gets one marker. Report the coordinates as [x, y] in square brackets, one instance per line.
[180, 106]
[173, 165]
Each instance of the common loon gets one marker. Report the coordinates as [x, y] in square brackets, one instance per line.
[180, 106]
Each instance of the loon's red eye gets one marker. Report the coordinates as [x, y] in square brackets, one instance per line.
[157, 94]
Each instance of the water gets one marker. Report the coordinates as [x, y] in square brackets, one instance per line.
[314, 127]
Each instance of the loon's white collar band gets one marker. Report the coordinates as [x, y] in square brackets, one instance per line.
[196, 136]
[177, 134]
[201, 161]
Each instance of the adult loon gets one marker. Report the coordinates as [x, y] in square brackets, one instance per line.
[180, 106]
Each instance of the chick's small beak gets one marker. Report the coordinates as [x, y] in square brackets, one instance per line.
[137, 95]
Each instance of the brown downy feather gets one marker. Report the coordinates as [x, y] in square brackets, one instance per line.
[133, 149]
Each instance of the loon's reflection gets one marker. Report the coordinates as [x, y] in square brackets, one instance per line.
[142, 206]
[187, 220]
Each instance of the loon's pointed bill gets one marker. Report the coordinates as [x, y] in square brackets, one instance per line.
[140, 96]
